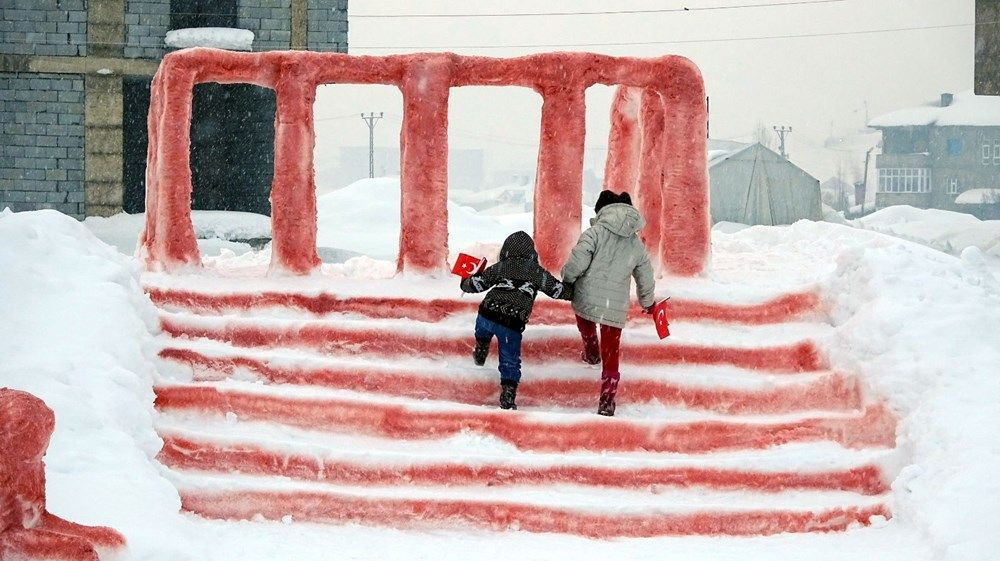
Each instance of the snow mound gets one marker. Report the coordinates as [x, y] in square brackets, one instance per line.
[74, 332]
[943, 230]
[216, 37]
[364, 217]
[978, 197]
[215, 230]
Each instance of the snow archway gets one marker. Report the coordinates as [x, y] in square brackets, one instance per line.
[672, 84]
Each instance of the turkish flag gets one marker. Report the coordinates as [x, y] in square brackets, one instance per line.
[660, 319]
[467, 265]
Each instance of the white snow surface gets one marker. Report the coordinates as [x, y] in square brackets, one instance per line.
[944, 230]
[215, 230]
[215, 37]
[966, 109]
[914, 322]
[978, 197]
[364, 217]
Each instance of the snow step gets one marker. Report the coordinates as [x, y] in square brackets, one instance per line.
[546, 312]
[875, 427]
[610, 513]
[184, 450]
[572, 385]
[398, 339]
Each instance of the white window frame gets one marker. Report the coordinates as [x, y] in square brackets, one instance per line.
[996, 152]
[986, 153]
[904, 180]
[953, 186]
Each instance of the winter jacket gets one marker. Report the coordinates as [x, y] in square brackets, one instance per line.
[513, 282]
[599, 267]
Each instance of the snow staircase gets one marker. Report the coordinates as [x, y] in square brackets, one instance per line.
[313, 407]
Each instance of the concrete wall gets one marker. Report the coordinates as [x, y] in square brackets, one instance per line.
[327, 28]
[43, 27]
[41, 142]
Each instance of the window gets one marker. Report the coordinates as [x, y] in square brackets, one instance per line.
[904, 180]
[954, 146]
[953, 186]
[996, 152]
[202, 13]
[986, 154]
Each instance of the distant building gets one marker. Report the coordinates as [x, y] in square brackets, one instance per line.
[74, 95]
[933, 153]
[752, 184]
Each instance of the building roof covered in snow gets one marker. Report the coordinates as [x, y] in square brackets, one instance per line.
[962, 109]
[978, 197]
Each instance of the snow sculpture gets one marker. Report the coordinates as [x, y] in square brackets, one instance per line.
[425, 81]
[27, 531]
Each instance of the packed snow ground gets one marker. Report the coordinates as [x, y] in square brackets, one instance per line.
[915, 322]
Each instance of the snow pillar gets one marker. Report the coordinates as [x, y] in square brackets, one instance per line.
[168, 238]
[685, 228]
[621, 169]
[559, 178]
[293, 191]
[423, 234]
[649, 189]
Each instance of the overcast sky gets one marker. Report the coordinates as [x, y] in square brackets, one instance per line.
[818, 84]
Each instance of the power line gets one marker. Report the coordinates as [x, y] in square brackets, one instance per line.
[599, 13]
[685, 41]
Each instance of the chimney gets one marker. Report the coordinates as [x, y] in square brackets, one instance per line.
[946, 99]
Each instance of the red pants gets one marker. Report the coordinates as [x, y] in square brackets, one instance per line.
[609, 344]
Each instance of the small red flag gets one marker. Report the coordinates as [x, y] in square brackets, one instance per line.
[660, 319]
[467, 265]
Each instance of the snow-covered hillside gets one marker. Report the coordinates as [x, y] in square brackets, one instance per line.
[913, 322]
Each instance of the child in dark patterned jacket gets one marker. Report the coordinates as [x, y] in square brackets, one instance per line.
[513, 282]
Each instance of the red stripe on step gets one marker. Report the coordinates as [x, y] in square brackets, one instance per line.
[185, 453]
[798, 357]
[498, 516]
[875, 428]
[547, 312]
[832, 392]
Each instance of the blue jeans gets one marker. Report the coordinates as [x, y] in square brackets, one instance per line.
[509, 342]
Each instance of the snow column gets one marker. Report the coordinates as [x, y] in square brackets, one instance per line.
[649, 191]
[423, 235]
[293, 191]
[168, 238]
[685, 230]
[622, 166]
[559, 178]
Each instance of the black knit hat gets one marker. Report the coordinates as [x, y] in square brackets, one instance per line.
[604, 199]
[625, 198]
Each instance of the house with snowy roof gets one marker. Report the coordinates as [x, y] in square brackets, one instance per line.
[945, 154]
[752, 184]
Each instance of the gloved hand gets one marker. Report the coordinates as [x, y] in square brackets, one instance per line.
[647, 310]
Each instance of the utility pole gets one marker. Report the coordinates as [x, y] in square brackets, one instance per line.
[370, 120]
[782, 130]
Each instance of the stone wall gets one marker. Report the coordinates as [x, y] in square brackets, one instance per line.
[43, 27]
[41, 142]
[146, 25]
[327, 28]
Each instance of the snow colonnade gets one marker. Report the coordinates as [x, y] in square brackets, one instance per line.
[657, 148]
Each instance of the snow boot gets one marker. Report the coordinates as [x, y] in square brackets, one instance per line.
[609, 387]
[480, 352]
[590, 358]
[508, 392]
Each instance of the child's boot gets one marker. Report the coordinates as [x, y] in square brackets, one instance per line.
[609, 387]
[508, 393]
[480, 352]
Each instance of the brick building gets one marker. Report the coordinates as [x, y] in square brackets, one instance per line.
[74, 94]
[933, 153]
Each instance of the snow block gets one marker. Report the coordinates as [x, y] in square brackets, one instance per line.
[874, 428]
[830, 392]
[787, 307]
[184, 453]
[649, 183]
[27, 531]
[425, 79]
[621, 169]
[796, 357]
